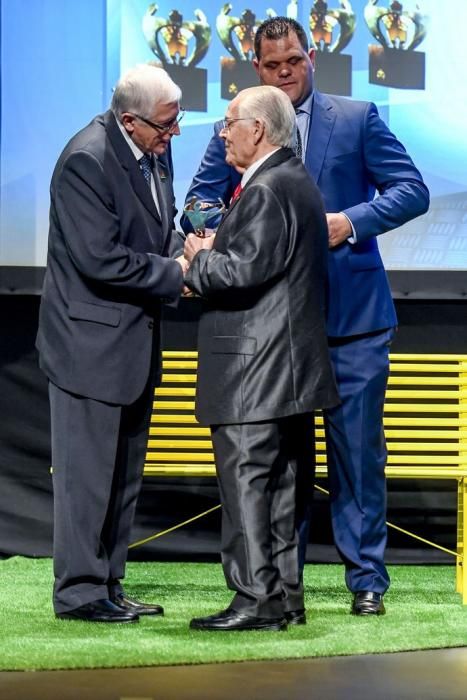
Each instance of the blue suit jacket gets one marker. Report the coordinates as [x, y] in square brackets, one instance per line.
[352, 155]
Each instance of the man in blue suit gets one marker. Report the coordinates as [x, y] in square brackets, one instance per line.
[352, 155]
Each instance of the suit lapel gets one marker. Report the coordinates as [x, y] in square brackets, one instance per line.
[279, 156]
[163, 191]
[322, 125]
[130, 164]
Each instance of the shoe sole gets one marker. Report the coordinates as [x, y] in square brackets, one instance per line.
[280, 627]
[66, 616]
[266, 628]
[360, 613]
[138, 610]
[301, 620]
[144, 612]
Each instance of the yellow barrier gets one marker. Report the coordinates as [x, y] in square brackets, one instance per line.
[425, 420]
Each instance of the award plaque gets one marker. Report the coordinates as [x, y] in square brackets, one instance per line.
[169, 39]
[394, 62]
[331, 30]
[198, 214]
[238, 36]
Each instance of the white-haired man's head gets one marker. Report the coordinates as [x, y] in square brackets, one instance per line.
[146, 102]
[258, 120]
[275, 109]
[141, 89]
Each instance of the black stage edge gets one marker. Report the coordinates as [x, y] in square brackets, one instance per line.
[428, 508]
[431, 675]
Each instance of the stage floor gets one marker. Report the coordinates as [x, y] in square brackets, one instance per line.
[431, 675]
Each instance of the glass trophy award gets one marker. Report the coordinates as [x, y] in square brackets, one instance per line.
[179, 45]
[393, 62]
[331, 30]
[199, 213]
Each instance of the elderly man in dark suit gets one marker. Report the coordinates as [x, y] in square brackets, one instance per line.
[111, 215]
[351, 154]
[263, 358]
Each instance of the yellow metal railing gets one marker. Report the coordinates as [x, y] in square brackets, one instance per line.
[425, 420]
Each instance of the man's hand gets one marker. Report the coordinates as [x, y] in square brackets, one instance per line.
[193, 244]
[206, 233]
[339, 229]
[184, 264]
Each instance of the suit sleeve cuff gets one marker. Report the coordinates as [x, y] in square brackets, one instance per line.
[353, 238]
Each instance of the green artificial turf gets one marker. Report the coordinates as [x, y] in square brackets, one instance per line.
[423, 612]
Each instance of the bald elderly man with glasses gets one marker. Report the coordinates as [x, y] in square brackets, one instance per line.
[263, 365]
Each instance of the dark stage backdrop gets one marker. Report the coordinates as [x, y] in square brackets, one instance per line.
[428, 508]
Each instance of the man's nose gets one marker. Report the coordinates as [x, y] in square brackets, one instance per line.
[284, 69]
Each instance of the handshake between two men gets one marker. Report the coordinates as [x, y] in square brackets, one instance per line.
[193, 244]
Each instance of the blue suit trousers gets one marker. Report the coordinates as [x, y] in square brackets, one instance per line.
[356, 451]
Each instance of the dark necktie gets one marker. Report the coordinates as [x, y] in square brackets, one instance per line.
[298, 145]
[298, 142]
[145, 163]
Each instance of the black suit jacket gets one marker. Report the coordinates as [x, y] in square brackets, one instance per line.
[262, 339]
[107, 268]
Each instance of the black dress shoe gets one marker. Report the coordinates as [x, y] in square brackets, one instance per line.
[136, 606]
[295, 617]
[232, 620]
[368, 603]
[102, 610]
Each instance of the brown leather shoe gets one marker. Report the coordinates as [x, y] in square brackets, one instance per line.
[368, 603]
[136, 606]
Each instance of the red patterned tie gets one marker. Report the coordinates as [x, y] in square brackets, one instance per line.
[236, 193]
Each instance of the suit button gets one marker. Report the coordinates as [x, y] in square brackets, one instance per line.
[151, 325]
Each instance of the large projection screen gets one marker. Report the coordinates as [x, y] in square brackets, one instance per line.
[60, 60]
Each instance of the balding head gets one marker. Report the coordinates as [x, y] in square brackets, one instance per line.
[274, 108]
[258, 121]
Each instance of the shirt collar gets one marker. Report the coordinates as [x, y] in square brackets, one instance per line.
[137, 152]
[250, 171]
[307, 104]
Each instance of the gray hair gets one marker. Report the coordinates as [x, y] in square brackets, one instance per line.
[141, 89]
[274, 108]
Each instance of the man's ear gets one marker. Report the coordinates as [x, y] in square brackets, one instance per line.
[312, 55]
[256, 65]
[128, 121]
[259, 131]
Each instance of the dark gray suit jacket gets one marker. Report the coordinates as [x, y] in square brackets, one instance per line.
[262, 339]
[107, 269]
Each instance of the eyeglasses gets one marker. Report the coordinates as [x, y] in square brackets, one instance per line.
[227, 123]
[163, 128]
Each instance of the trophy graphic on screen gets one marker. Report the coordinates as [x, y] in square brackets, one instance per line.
[238, 36]
[331, 30]
[394, 62]
[180, 45]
